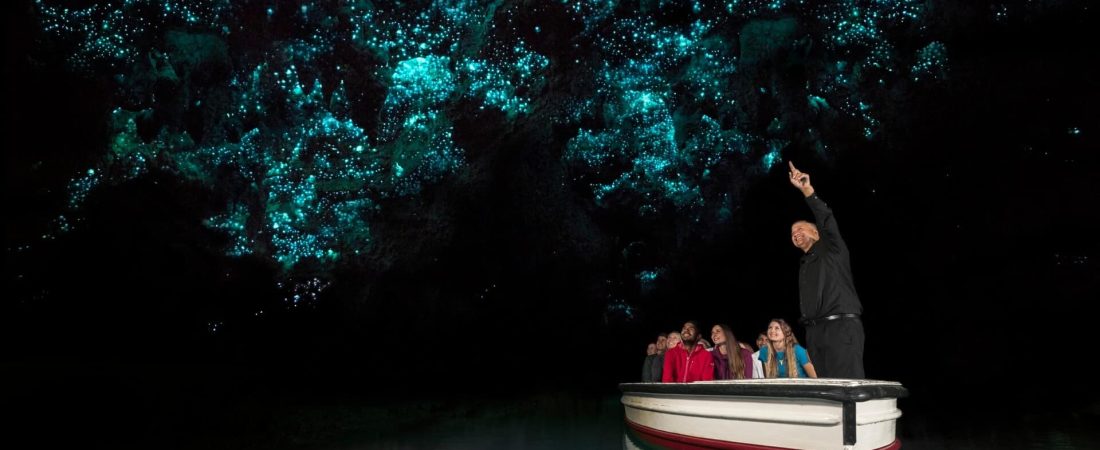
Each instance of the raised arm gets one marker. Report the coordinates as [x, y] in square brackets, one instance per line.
[800, 180]
[823, 216]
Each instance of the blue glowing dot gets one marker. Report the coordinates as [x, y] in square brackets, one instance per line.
[308, 162]
[770, 159]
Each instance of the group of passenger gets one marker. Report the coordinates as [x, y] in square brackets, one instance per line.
[685, 356]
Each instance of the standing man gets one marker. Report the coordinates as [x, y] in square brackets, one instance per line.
[688, 362]
[830, 306]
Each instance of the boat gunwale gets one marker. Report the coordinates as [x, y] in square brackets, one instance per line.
[856, 391]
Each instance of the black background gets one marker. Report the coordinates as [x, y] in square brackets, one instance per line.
[972, 221]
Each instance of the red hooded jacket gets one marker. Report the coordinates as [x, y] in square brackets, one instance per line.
[680, 367]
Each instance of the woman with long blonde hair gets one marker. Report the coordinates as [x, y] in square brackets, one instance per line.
[784, 352]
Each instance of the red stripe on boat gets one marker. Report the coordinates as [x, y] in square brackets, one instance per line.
[675, 441]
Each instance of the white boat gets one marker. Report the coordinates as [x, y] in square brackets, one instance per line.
[763, 414]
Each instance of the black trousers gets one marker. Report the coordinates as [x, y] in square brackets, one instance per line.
[836, 348]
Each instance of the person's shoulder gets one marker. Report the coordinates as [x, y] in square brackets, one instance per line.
[800, 352]
[830, 247]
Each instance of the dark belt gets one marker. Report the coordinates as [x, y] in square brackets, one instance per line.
[820, 320]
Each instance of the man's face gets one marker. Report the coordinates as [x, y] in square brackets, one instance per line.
[761, 340]
[803, 235]
[661, 342]
[689, 333]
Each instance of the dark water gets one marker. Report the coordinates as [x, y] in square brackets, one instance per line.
[544, 422]
[181, 407]
[1000, 428]
[565, 422]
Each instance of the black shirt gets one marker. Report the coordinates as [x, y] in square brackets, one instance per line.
[825, 273]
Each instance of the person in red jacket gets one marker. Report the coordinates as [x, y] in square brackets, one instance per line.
[690, 361]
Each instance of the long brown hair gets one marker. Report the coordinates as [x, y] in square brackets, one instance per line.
[789, 341]
[733, 351]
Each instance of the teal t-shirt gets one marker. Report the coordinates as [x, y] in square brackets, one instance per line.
[800, 355]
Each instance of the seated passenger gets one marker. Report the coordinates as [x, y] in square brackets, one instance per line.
[647, 365]
[778, 360]
[727, 367]
[688, 362]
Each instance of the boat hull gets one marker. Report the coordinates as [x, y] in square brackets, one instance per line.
[765, 414]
